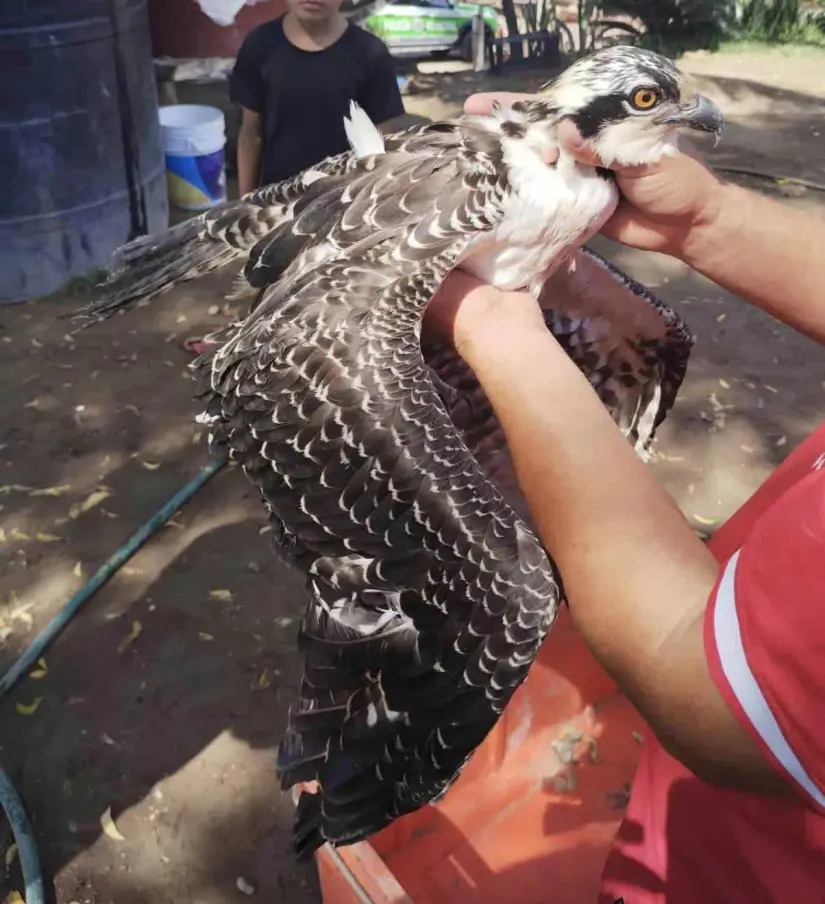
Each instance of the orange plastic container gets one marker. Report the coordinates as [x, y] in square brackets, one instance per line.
[533, 815]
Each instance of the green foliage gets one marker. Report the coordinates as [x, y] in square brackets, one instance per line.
[781, 21]
[771, 20]
[674, 26]
[539, 15]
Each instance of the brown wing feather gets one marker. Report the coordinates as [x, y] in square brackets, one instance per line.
[429, 597]
[226, 235]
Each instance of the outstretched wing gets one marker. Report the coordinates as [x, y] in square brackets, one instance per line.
[225, 236]
[429, 597]
[632, 347]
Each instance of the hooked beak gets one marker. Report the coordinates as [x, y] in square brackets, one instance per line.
[700, 114]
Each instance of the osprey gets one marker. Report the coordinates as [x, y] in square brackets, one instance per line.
[381, 463]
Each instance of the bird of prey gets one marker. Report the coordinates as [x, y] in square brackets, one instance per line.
[381, 462]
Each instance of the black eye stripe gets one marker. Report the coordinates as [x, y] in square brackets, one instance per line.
[609, 108]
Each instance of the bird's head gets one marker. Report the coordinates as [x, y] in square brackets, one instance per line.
[630, 103]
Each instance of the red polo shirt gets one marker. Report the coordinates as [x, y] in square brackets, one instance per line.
[684, 841]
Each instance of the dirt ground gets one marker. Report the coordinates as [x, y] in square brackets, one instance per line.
[165, 698]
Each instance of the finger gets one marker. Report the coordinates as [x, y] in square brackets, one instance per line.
[549, 155]
[571, 141]
[482, 104]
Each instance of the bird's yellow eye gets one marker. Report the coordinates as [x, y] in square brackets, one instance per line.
[645, 98]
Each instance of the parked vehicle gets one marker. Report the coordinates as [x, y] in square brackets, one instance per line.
[429, 26]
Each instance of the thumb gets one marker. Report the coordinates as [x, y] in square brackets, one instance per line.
[482, 104]
[572, 142]
[627, 227]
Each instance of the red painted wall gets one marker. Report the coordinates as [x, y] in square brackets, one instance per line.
[181, 29]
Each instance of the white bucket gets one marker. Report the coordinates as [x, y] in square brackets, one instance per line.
[194, 141]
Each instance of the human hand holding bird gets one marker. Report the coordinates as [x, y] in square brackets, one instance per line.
[670, 206]
[664, 205]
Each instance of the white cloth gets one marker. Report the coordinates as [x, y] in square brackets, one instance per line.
[223, 12]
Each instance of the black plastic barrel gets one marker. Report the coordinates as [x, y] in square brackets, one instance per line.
[81, 159]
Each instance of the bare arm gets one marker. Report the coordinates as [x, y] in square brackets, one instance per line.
[767, 253]
[637, 577]
[249, 152]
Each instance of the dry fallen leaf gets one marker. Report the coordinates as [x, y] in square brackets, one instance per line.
[264, 679]
[137, 627]
[109, 827]
[90, 502]
[48, 538]
[28, 709]
[77, 571]
[225, 596]
[707, 521]
[721, 317]
[770, 388]
[724, 384]
[11, 853]
[245, 887]
[14, 897]
[151, 465]
[284, 622]
[202, 635]
[41, 671]
[52, 491]
[13, 488]
[16, 534]
[265, 530]
[782, 440]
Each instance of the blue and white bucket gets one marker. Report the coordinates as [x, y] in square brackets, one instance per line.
[194, 141]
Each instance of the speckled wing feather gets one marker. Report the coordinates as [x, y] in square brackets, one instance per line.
[632, 347]
[224, 237]
[429, 596]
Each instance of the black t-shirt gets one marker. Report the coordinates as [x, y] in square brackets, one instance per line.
[303, 96]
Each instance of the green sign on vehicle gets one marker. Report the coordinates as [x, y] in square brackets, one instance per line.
[429, 26]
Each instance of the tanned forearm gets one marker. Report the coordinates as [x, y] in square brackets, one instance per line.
[617, 536]
[767, 253]
[249, 158]
[637, 577]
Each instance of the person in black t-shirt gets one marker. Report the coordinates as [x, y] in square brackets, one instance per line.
[294, 79]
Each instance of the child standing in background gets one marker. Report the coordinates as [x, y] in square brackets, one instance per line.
[293, 80]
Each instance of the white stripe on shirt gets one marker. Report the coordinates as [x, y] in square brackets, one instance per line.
[728, 635]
